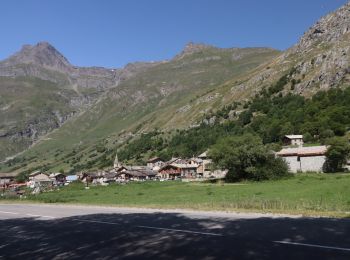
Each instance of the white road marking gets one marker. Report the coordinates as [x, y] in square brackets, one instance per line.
[112, 223]
[32, 215]
[40, 216]
[181, 230]
[96, 221]
[312, 245]
[168, 229]
[8, 212]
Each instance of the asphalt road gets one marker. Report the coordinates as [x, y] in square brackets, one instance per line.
[79, 232]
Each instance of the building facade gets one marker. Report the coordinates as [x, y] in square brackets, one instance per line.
[304, 159]
[295, 140]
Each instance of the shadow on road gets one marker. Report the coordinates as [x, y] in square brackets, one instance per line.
[115, 236]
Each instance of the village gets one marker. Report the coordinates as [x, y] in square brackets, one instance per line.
[300, 158]
[194, 169]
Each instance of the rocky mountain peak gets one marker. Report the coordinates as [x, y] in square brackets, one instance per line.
[191, 48]
[42, 54]
[329, 29]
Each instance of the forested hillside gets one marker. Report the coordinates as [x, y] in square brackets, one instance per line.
[325, 115]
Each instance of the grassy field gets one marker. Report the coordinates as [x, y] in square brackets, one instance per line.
[314, 194]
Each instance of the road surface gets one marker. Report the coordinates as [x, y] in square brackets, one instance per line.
[39, 231]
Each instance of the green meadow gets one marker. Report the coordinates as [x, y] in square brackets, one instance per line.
[306, 194]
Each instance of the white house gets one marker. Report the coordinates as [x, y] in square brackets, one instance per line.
[293, 140]
[302, 159]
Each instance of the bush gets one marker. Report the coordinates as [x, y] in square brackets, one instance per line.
[100, 148]
[279, 85]
[247, 158]
[337, 154]
[326, 134]
[308, 138]
[245, 117]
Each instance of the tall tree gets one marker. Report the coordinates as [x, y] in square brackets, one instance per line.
[247, 158]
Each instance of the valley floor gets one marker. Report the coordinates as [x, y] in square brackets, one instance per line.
[306, 194]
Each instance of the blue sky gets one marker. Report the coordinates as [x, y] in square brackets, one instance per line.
[112, 33]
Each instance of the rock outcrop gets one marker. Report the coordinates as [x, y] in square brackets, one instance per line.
[328, 30]
[320, 60]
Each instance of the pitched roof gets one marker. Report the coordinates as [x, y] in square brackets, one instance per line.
[52, 175]
[8, 174]
[167, 165]
[180, 166]
[137, 168]
[203, 155]
[140, 173]
[34, 173]
[303, 151]
[294, 136]
[177, 160]
[136, 173]
[110, 175]
[197, 160]
[185, 166]
[92, 174]
[41, 177]
[154, 159]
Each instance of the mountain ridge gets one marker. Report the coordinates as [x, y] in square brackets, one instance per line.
[43, 53]
[186, 91]
[83, 88]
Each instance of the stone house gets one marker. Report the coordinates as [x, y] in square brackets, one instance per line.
[169, 171]
[295, 140]
[155, 163]
[58, 178]
[136, 175]
[7, 178]
[303, 159]
[205, 168]
[33, 174]
[174, 170]
[38, 179]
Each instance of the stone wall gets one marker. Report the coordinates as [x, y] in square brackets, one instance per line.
[307, 163]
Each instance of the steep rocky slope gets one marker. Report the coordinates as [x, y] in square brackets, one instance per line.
[320, 60]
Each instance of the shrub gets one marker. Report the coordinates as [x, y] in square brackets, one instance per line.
[337, 154]
[308, 137]
[247, 158]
